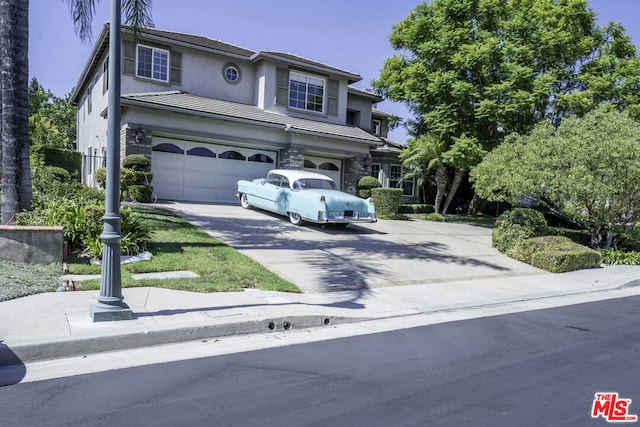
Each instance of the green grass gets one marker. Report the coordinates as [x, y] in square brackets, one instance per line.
[178, 245]
[479, 220]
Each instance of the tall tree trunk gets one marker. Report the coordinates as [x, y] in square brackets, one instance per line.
[441, 185]
[457, 179]
[14, 108]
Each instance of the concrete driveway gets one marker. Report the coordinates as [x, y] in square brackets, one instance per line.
[357, 257]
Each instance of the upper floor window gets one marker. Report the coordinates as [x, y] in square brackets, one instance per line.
[153, 63]
[306, 92]
[376, 127]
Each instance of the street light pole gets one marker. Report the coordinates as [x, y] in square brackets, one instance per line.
[110, 304]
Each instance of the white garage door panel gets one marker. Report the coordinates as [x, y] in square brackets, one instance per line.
[200, 163]
[200, 178]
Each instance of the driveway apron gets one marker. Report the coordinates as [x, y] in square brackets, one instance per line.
[357, 257]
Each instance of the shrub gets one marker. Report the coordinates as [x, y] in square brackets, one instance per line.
[630, 238]
[524, 249]
[58, 173]
[137, 162]
[416, 209]
[618, 257]
[100, 175]
[69, 160]
[530, 219]
[561, 261]
[387, 200]
[365, 184]
[505, 238]
[434, 217]
[140, 193]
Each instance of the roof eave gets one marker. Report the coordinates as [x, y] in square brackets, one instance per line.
[101, 44]
[351, 77]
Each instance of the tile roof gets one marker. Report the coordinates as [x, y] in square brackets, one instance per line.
[291, 58]
[187, 103]
[200, 41]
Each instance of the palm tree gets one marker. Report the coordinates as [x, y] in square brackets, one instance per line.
[137, 15]
[421, 156]
[14, 108]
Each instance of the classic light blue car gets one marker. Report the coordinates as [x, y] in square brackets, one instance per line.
[305, 196]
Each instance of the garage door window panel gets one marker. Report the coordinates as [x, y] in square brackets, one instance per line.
[261, 158]
[168, 148]
[328, 167]
[201, 152]
[232, 155]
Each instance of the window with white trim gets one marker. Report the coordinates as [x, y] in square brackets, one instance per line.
[306, 92]
[395, 180]
[377, 126]
[152, 63]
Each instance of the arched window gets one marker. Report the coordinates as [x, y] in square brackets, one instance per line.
[201, 151]
[309, 164]
[166, 147]
[232, 155]
[260, 158]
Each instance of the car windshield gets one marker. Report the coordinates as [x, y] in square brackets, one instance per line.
[314, 183]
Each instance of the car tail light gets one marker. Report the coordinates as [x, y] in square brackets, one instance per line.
[323, 199]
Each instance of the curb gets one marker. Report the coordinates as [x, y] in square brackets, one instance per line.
[67, 347]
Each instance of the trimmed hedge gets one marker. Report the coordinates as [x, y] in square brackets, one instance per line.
[68, 160]
[387, 200]
[520, 234]
[416, 209]
[562, 261]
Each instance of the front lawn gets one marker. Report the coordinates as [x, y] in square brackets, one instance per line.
[177, 245]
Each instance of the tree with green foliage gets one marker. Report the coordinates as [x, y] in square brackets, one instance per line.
[14, 89]
[482, 69]
[52, 120]
[586, 171]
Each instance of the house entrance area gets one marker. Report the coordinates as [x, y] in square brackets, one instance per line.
[201, 172]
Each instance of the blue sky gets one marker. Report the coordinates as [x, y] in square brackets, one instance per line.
[350, 34]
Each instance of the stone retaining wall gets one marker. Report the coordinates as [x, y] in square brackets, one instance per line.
[31, 244]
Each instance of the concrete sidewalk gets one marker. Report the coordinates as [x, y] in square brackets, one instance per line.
[58, 324]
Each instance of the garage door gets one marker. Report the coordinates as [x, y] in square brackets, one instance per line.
[326, 166]
[199, 172]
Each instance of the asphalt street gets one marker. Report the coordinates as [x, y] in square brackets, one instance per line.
[534, 368]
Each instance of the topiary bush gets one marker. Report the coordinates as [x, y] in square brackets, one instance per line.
[387, 200]
[134, 175]
[365, 184]
[140, 193]
[137, 162]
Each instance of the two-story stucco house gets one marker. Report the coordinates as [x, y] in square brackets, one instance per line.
[208, 113]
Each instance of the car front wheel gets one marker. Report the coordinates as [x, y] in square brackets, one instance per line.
[295, 218]
[244, 202]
